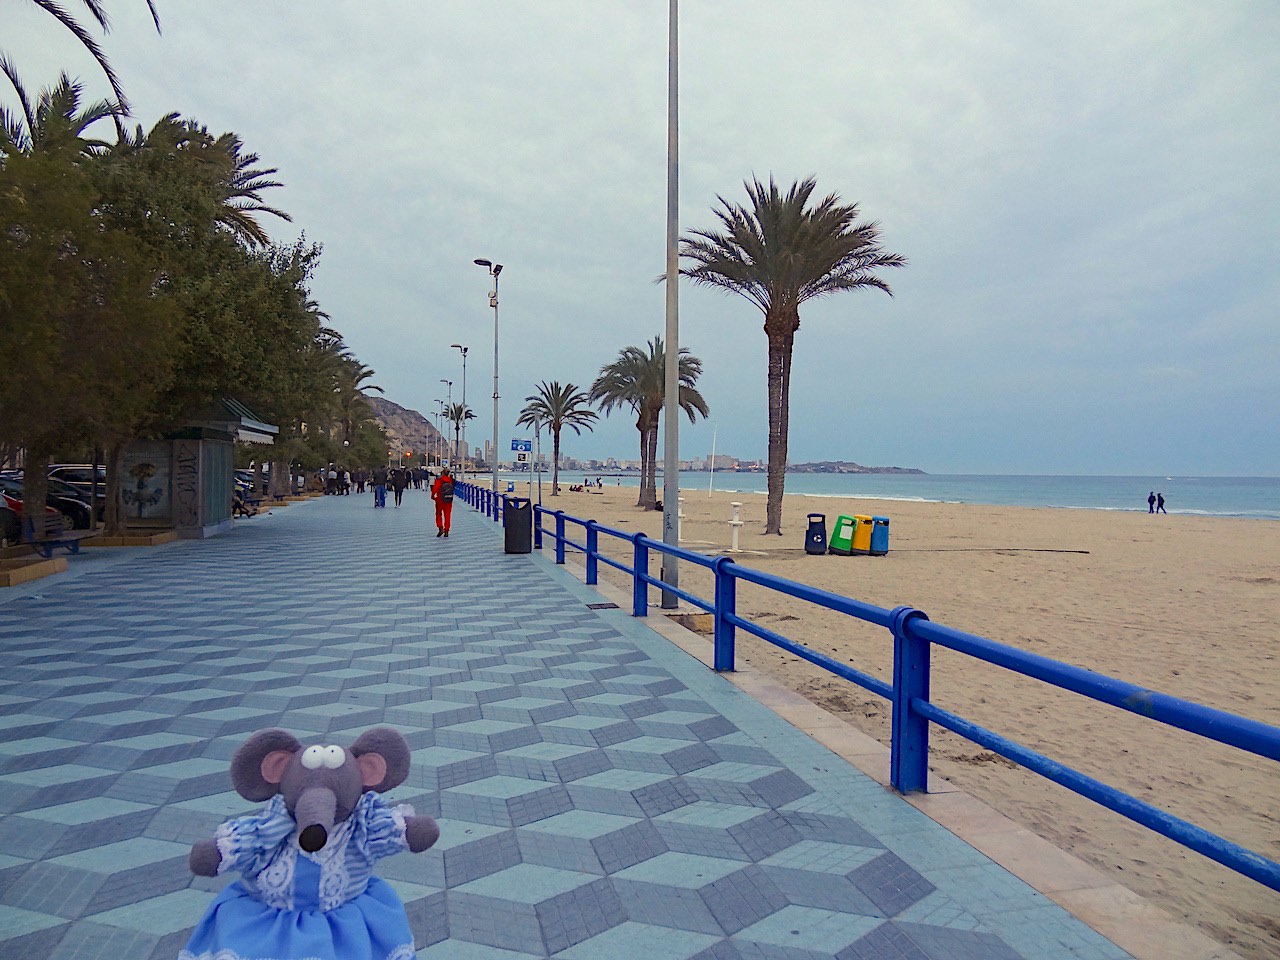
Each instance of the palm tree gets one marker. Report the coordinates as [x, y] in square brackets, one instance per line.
[95, 8]
[54, 122]
[558, 407]
[637, 379]
[779, 254]
[352, 405]
[456, 413]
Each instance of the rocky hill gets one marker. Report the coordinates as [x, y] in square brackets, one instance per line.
[406, 429]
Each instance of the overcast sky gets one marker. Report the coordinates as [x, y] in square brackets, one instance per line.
[1087, 194]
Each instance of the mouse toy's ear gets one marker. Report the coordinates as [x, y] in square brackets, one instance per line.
[260, 763]
[383, 757]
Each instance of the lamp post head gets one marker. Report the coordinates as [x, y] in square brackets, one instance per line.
[493, 268]
[484, 263]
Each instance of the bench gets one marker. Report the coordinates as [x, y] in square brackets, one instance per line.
[247, 506]
[52, 533]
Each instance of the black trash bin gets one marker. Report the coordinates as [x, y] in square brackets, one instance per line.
[517, 525]
[815, 541]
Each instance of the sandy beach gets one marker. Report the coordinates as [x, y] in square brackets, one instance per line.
[1183, 605]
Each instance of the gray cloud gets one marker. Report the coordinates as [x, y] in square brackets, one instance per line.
[1087, 195]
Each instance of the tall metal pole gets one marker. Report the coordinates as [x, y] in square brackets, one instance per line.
[493, 302]
[463, 464]
[671, 403]
[453, 457]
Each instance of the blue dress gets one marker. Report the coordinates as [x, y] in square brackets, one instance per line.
[294, 905]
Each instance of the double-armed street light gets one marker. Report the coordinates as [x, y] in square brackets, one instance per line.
[494, 269]
[463, 464]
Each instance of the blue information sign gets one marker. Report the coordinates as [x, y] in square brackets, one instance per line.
[525, 445]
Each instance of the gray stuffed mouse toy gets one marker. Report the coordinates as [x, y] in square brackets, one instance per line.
[307, 888]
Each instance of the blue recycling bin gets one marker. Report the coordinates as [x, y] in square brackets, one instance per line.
[879, 536]
[815, 539]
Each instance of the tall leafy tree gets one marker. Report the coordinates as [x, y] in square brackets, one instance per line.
[78, 297]
[99, 14]
[636, 380]
[778, 253]
[558, 406]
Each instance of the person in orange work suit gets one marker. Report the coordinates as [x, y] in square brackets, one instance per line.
[442, 494]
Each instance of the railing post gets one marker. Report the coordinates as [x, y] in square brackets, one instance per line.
[726, 605]
[593, 542]
[909, 737]
[640, 586]
[537, 527]
[559, 536]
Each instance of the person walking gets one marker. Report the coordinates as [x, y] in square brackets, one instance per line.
[399, 480]
[379, 487]
[1160, 504]
[1151, 502]
[442, 494]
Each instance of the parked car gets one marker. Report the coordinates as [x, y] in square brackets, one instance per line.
[70, 506]
[79, 475]
[75, 480]
[10, 523]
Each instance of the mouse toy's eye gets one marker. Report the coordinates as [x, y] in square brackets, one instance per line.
[334, 757]
[313, 757]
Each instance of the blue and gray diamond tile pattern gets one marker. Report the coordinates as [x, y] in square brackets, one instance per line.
[600, 794]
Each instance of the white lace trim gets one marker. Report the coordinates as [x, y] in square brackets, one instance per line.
[275, 883]
[402, 952]
[335, 878]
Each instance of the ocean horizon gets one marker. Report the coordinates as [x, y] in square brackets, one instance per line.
[1244, 497]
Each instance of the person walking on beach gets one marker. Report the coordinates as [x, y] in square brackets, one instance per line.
[379, 487]
[399, 480]
[1160, 504]
[442, 494]
[1151, 502]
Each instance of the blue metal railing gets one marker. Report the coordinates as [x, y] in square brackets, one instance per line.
[912, 711]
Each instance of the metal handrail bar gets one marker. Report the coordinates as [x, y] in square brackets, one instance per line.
[823, 598]
[1228, 728]
[865, 680]
[1224, 851]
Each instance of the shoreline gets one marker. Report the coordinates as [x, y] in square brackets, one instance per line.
[1237, 498]
[1183, 605]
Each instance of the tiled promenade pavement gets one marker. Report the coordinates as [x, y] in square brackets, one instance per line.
[600, 793]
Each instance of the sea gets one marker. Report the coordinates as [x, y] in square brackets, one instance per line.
[1249, 497]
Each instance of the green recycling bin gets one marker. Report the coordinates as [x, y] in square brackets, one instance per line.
[843, 534]
[862, 535]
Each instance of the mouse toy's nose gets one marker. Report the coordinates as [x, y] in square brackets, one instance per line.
[313, 838]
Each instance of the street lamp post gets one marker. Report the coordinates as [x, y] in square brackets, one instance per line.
[671, 405]
[449, 386]
[439, 417]
[463, 465]
[494, 269]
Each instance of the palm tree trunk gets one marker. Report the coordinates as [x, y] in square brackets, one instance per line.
[35, 489]
[780, 346]
[555, 462]
[281, 481]
[644, 460]
[113, 509]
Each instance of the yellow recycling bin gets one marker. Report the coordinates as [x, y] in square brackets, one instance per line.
[862, 536]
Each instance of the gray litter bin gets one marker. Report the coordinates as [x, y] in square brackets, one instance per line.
[517, 525]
